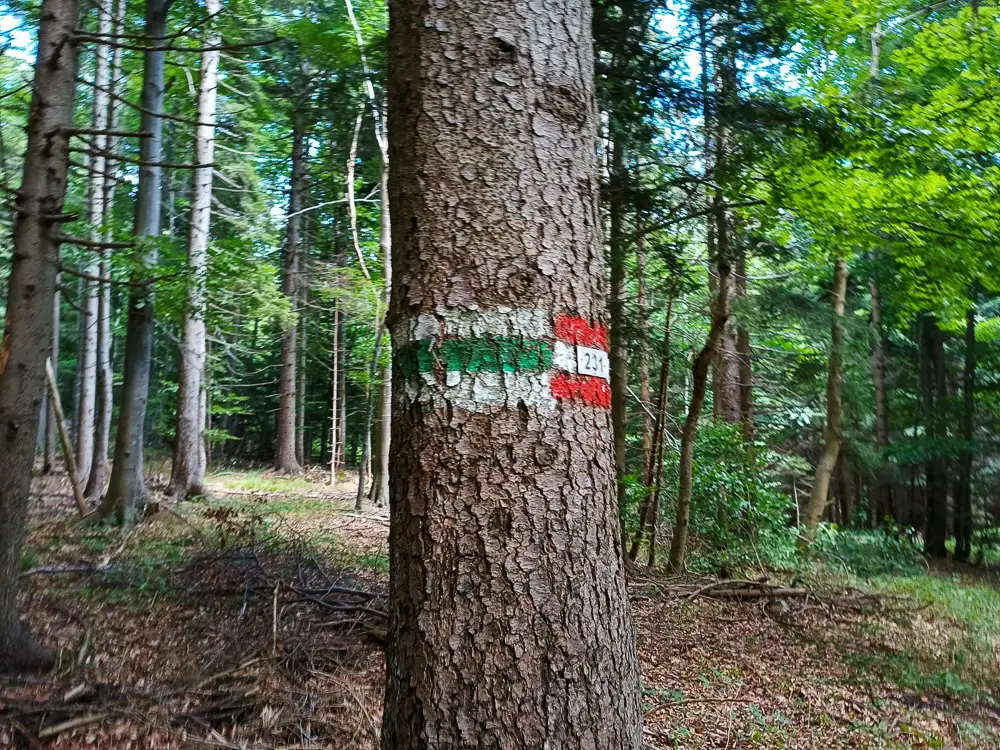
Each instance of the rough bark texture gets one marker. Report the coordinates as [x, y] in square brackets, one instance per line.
[963, 494]
[126, 489]
[27, 332]
[284, 450]
[882, 505]
[699, 388]
[188, 472]
[642, 309]
[831, 433]
[509, 623]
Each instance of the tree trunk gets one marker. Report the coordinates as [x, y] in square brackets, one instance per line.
[744, 354]
[699, 380]
[334, 398]
[102, 430]
[642, 309]
[383, 431]
[284, 452]
[509, 623]
[51, 429]
[188, 474]
[831, 433]
[935, 421]
[342, 390]
[883, 501]
[963, 496]
[126, 489]
[366, 448]
[90, 301]
[653, 476]
[30, 291]
[616, 306]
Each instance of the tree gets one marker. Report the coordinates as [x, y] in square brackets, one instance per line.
[834, 403]
[127, 488]
[284, 450]
[28, 325]
[509, 624]
[188, 468]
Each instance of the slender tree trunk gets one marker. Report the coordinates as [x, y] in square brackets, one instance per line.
[509, 623]
[642, 309]
[831, 434]
[963, 495]
[31, 289]
[744, 354]
[653, 477]
[102, 429]
[383, 432]
[89, 301]
[616, 306]
[699, 380]
[342, 389]
[883, 501]
[301, 370]
[284, 454]
[188, 475]
[51, 430]
[334, 397]
[126, 489]
[366, 448]
[936, 411]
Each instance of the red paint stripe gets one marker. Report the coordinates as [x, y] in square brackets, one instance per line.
[574, 330]
[592, 391]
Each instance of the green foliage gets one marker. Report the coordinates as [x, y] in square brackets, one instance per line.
[867, 553]
[739, 516]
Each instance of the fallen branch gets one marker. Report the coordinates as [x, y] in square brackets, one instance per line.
[66, 726]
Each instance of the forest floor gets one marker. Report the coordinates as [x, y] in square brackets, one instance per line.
[255, 620]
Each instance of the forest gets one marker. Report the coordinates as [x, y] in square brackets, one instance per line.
[611, 374]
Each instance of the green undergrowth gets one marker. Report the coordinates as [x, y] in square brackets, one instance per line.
[263, 481]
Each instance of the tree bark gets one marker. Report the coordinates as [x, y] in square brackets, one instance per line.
[31, 289]
[883, 504]
[699, 388]
[334, 397]
[831, 433]
[509, 623]
[51, 429]
[87, 355]
[188, 472]
[126, 489]
[963, 495]
[284, 453]
[383, 432]
[102, 429]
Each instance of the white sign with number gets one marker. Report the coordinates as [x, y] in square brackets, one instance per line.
[593, 362]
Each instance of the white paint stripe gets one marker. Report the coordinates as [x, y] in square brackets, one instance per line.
[564, 356]
[462, 323]
[476, 391]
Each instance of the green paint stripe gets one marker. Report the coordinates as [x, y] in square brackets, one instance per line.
[484, 354]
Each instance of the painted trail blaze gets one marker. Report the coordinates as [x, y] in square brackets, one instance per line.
[485, 358]
[582, 352]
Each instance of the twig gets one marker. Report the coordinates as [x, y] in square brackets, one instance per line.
[66, 726]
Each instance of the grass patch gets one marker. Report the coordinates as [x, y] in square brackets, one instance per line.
[261, 481]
